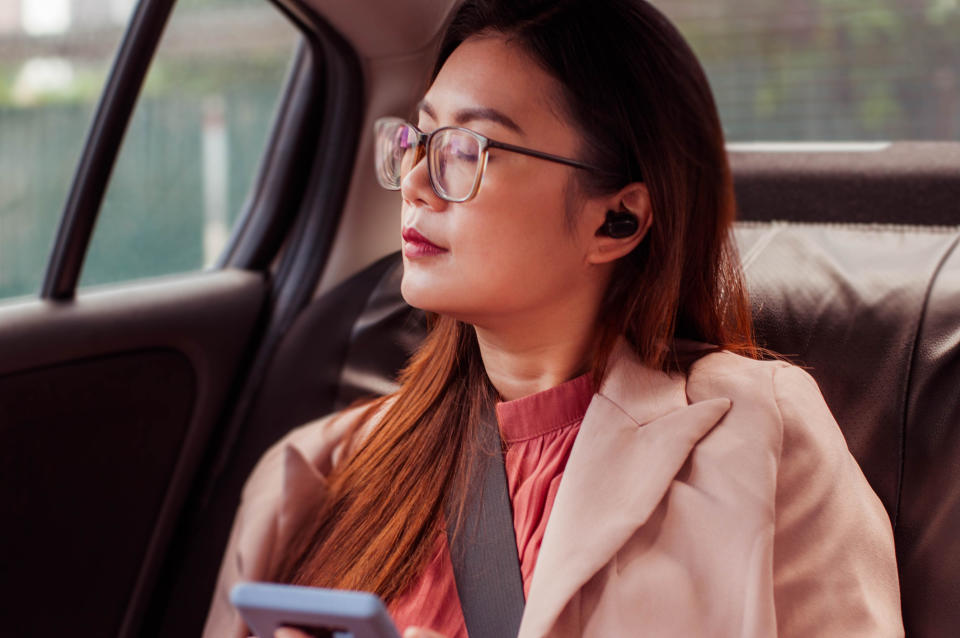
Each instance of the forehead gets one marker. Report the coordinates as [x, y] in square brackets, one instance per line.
[494, 73]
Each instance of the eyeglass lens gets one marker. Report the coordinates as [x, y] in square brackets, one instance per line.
[453, 158]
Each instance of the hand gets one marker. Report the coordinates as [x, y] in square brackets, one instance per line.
[419, 632]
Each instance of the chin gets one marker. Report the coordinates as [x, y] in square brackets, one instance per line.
[441, 301]
[422, 296]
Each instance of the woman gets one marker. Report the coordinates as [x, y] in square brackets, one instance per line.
[573, 248]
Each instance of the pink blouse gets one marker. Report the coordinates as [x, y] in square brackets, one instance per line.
[538, 431]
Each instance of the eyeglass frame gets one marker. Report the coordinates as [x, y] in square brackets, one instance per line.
[486, 143]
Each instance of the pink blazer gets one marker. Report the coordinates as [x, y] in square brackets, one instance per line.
[720, 503]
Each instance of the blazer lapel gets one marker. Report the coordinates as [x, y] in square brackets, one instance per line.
[634, 438]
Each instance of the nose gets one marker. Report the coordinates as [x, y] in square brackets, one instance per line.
[416, 190]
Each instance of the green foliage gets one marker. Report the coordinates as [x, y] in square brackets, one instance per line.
[829, 69]
[152, 219]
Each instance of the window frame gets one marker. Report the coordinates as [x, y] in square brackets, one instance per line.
[275, 195]
[286, 231]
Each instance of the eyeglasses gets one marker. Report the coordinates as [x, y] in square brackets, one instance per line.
[456, 157]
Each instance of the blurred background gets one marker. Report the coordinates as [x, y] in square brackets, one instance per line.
[782, 70]
[188, 157]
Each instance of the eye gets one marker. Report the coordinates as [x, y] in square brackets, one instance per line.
[465, 155]
[463, 149]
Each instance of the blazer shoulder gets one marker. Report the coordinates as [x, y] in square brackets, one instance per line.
[762, 393]
[287, 484]
[320, 443]
[778, 393]
[724, 373]
[724, 362]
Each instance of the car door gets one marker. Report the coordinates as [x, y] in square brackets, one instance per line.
[119, 402]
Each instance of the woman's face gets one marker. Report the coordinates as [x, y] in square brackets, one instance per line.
[507, 251]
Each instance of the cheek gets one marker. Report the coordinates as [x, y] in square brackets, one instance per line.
[507, 253]
[525, 240]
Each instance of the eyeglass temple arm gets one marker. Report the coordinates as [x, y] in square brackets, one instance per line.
[547, 156]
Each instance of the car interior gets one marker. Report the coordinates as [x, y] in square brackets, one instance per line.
[131, 414]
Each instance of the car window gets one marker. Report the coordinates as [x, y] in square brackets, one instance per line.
[194, 141]
[54, 59]
[827, 70]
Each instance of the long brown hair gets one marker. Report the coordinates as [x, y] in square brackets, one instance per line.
[644, 107]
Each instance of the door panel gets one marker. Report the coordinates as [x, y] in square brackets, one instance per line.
[106, 405]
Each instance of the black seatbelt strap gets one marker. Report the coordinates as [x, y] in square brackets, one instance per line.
[484, 553]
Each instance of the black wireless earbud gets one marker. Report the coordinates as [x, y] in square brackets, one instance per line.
[619, 225]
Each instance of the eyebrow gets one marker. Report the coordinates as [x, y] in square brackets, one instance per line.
[464, 116]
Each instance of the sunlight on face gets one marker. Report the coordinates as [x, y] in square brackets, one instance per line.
[507, 251]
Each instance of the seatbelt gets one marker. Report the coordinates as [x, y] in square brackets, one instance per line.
[486, 566]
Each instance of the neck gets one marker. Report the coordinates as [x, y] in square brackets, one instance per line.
[536, 355]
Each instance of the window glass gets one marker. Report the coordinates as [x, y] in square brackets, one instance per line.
[194, 142]
[54, 58]
[829, 69]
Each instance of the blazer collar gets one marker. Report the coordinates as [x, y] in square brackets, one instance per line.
[635, 437]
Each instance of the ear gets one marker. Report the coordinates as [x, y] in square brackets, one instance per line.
[634, 199]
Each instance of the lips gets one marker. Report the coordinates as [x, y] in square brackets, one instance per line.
[416, 245]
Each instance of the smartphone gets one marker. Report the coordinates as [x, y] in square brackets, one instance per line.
[336, 613]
